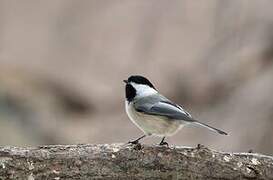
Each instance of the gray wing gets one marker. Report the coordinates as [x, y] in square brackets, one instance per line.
[161, 106]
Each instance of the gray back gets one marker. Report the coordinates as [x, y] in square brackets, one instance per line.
[161, 106]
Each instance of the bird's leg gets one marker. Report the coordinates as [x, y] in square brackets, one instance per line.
[136, 141]
[163, 142]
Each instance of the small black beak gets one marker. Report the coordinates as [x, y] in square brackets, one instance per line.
[125, 81]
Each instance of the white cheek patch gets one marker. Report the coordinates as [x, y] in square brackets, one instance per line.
[143, 90]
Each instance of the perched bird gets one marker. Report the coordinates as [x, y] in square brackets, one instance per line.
[153, 113]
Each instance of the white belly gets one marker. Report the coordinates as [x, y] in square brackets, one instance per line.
[153, 125]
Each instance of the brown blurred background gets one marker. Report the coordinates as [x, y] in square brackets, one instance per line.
[62, 64]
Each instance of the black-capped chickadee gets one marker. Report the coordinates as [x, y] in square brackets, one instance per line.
[153, 113]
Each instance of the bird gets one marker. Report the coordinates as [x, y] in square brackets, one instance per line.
[153, 113]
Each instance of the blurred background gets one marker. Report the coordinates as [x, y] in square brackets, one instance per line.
[62, 64]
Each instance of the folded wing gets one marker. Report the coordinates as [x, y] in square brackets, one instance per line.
[167, 109]
[164, 108]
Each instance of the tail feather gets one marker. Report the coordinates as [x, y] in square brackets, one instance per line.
[210, 128]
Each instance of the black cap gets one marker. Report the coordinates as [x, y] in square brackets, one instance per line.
[139, 80]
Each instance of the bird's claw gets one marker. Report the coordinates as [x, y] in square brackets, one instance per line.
[133, 142]
[136, 145]
[164, 144]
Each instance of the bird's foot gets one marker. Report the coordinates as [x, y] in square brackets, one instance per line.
[164, 144]
[134, 142]
[200, 146]
[250, 151]
[136, 145]
[137, 140]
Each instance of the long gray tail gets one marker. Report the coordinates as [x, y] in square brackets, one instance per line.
[210, 128]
